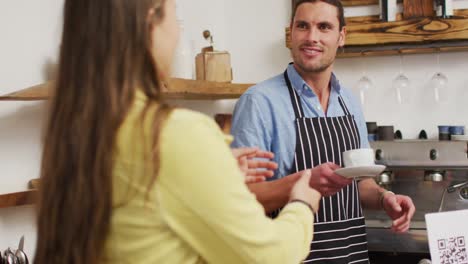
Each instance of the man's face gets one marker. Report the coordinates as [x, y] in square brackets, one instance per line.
[315, 36]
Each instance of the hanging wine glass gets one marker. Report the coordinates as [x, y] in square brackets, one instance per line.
[401, 86]
[364, 88]
[439, 85]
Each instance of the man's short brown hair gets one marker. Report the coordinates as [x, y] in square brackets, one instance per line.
[336, 3]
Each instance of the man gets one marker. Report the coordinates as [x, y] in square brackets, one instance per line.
[307, 119]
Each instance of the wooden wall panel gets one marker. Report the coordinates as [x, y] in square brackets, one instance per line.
[408, 31]
[368, 36]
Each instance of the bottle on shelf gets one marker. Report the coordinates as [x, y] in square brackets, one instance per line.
[183, 57]
[183, 66]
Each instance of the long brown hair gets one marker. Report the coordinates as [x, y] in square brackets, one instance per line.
[105, 56]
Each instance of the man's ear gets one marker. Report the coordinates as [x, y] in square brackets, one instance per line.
[342, 38]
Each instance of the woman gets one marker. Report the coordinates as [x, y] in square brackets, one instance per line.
[128, 179]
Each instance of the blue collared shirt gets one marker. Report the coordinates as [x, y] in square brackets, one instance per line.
[264, 116]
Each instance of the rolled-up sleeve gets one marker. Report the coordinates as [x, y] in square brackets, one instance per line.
[250, 126]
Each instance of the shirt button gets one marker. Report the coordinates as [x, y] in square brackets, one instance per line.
[318, 107]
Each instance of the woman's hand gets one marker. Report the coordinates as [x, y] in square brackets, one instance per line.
[302, 191]
[255, 170]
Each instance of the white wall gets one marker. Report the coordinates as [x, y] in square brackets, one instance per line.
[255, 40]
[422, 112]
[29, 33]
[252, 31]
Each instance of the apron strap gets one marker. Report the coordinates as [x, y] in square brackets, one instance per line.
[343, 105]
[295, 99]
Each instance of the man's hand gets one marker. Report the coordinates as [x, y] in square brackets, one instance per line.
[255, 170]
[326, 181]
[400, 209]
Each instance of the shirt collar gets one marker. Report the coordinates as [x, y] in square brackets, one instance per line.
[302, 87]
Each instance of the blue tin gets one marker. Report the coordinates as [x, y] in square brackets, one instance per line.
[444, 129]
[457, 130]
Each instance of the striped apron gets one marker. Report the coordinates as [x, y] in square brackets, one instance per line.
[339, 228]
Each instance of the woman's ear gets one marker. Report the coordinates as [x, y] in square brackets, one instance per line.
[150, 16]
[150, 23]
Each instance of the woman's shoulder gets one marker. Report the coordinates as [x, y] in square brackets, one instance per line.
[181, 117]
[188, 134]
[184, 124]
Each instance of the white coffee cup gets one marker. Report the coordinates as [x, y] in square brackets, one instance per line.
[358, 157]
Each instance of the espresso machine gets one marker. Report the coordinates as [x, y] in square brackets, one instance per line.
[433, 173]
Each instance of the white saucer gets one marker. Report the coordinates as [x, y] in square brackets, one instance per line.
[361, 171]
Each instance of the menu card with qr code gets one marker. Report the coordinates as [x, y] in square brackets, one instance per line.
[448, 234]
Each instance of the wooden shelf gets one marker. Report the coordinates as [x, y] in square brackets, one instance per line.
[359, 2]
[386, 50]
[18, 199]
[178, 89]
[37, 92]
[193, 89]
[368, 36]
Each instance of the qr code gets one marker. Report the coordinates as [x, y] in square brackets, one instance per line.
[452, 250]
